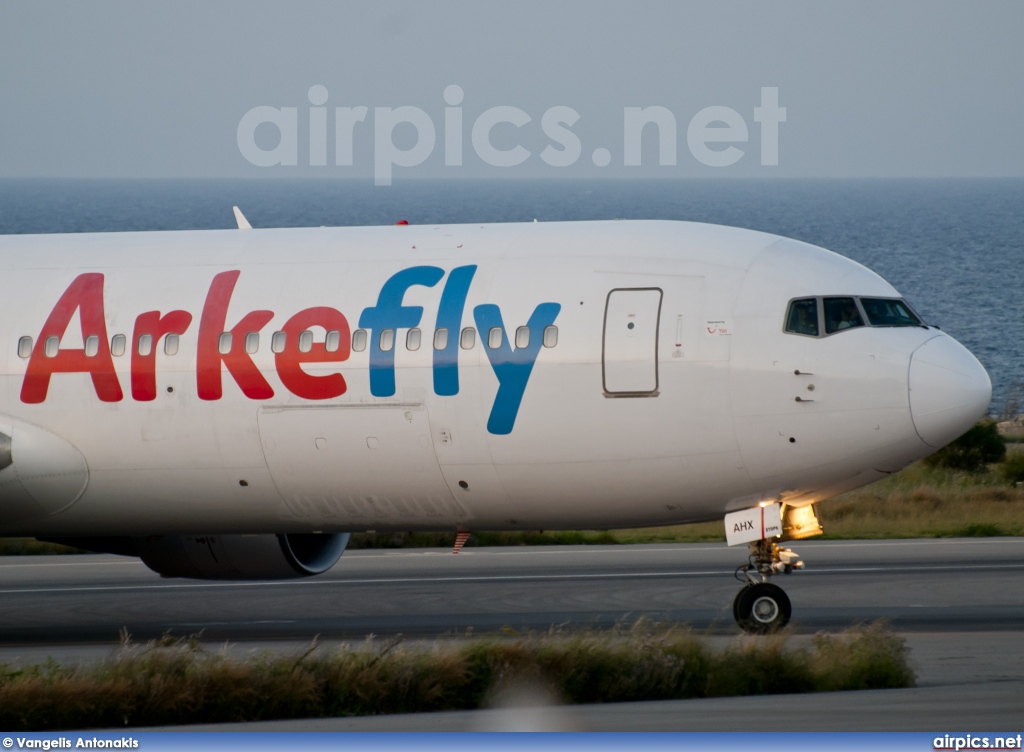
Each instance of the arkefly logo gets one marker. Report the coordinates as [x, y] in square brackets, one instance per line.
[716, 136]
[223, 348]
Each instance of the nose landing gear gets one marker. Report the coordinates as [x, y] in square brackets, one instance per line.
[762, 607]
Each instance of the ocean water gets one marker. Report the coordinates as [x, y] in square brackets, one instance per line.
[954, 248]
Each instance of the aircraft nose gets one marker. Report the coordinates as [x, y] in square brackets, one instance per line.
[949, 390]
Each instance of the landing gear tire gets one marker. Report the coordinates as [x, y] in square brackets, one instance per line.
[762, 608]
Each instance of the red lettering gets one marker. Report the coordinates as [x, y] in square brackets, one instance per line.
[85, 295]
[144, 366]
[239, 364]
[289, 361]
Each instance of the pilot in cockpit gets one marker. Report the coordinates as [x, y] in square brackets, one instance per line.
[841, 313]
[848, 317]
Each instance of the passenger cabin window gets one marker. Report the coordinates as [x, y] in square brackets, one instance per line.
[277, 342]
[359, 340]
[889, 312]
[25, 347]
[224, 343]
[803, 317]
[332, 343]
[252, 342]
[841, 313]
[494, 337]
[440, 339]
[550, 336]
[145, 344]
[170, 344]
[305, 341]
[468, 339]
[50, 346]
[522, 337]
[387, 340]
[412, 339]
[117, 345]
[92, 346]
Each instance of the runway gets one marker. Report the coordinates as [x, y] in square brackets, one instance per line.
[929, 585]
[959, 601]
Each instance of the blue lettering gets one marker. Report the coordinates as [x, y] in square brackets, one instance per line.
[512, 367]
[449, 316]
[389, 313]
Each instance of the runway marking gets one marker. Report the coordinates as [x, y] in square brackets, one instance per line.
[483, 578]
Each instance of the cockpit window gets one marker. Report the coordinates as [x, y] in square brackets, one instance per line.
[803, 317]
[841, 313]
[889, 312]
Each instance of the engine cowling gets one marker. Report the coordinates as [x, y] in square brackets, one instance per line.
[241, 557]
[40, 472]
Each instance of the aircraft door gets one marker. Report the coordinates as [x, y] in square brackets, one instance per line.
[630, 349]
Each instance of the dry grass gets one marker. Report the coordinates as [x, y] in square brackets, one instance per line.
[176, 681]
[923, 501]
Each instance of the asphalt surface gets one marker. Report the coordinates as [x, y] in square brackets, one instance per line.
[920, 585]
[960, 604]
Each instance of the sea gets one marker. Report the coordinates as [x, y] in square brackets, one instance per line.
[954, 248]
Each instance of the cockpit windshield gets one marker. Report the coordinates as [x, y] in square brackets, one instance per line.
[888, 312]
[841, 313]
[805, 315]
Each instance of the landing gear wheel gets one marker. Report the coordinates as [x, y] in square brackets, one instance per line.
[762, 608]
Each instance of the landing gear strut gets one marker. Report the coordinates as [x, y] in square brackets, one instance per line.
[761, 607]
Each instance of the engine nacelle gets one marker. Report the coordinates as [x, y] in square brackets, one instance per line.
[40, 472]
[241, 557]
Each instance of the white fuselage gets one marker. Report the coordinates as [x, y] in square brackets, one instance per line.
[672, 393]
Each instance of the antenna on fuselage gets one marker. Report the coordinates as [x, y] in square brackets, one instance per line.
[243, 223]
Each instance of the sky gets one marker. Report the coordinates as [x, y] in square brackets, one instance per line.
[917, 88]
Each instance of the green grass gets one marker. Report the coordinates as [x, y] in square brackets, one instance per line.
[32, 547]
[177, 681]
[923, 501]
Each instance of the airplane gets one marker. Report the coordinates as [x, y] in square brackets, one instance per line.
[234, 404]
